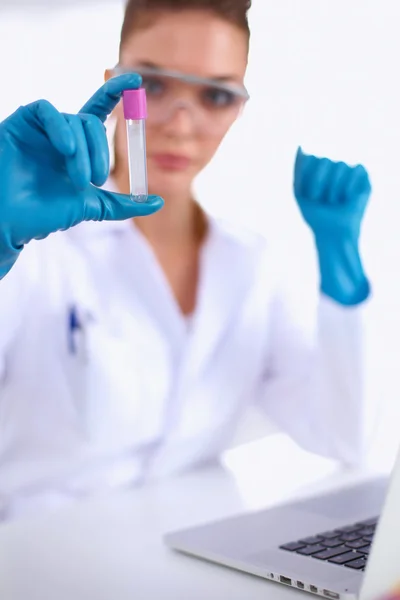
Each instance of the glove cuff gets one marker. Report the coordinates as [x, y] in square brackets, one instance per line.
[341, 271]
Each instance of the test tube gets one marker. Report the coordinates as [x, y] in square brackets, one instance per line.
[135, 113]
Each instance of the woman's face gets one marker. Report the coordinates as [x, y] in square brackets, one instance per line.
[197, 43]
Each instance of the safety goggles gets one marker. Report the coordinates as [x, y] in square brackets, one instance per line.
[213, 105]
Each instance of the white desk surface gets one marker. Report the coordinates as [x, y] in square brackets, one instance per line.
[110, 548]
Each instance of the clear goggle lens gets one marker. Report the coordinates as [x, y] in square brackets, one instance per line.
[213, 105]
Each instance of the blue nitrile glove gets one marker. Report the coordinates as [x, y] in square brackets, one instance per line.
[332, 197]
[50, 165]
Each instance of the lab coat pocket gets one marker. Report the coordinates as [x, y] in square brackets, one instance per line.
[114, 410]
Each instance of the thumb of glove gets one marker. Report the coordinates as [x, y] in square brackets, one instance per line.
[110, 206]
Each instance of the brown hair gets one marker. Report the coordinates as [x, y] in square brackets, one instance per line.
[136, 12]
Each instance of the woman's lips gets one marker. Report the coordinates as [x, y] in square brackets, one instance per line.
[171, 162]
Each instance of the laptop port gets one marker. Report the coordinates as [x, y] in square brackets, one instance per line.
[314, 589]
[333, 595]
[300, 585]
[285, 580]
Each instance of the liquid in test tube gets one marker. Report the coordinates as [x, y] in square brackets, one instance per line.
[135, 113]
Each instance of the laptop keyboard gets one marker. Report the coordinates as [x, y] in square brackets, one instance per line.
[347, 546]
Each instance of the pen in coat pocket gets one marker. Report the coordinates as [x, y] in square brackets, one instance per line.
[74, 328]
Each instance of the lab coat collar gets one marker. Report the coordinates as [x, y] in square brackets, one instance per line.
[227, 271]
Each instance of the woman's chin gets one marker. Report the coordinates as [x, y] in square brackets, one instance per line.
[170, 184]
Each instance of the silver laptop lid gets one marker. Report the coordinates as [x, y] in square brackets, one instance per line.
[382, 575]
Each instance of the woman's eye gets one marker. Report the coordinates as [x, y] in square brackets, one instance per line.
[217, 98]
[153, 86]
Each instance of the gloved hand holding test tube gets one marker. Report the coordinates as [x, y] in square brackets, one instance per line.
[54, 165]
[135, 113]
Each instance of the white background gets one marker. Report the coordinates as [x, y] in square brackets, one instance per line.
[322, 74]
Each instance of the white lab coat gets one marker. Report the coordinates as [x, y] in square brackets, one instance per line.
[145, 392]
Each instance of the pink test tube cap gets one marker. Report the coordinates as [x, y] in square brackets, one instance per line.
[135, 104]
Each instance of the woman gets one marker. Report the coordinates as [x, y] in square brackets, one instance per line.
[131, 351]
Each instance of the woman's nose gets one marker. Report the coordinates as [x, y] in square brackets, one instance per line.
[181, 121]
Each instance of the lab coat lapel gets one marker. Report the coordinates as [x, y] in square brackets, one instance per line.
[226, 274]
[130, 264]
[154, 290]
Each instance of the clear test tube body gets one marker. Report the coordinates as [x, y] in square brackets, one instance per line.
[135, 113]
[136, 134]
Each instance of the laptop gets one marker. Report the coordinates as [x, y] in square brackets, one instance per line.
[344, 545]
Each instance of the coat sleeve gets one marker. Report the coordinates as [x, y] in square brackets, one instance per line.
[312, 387]
[16, 290]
